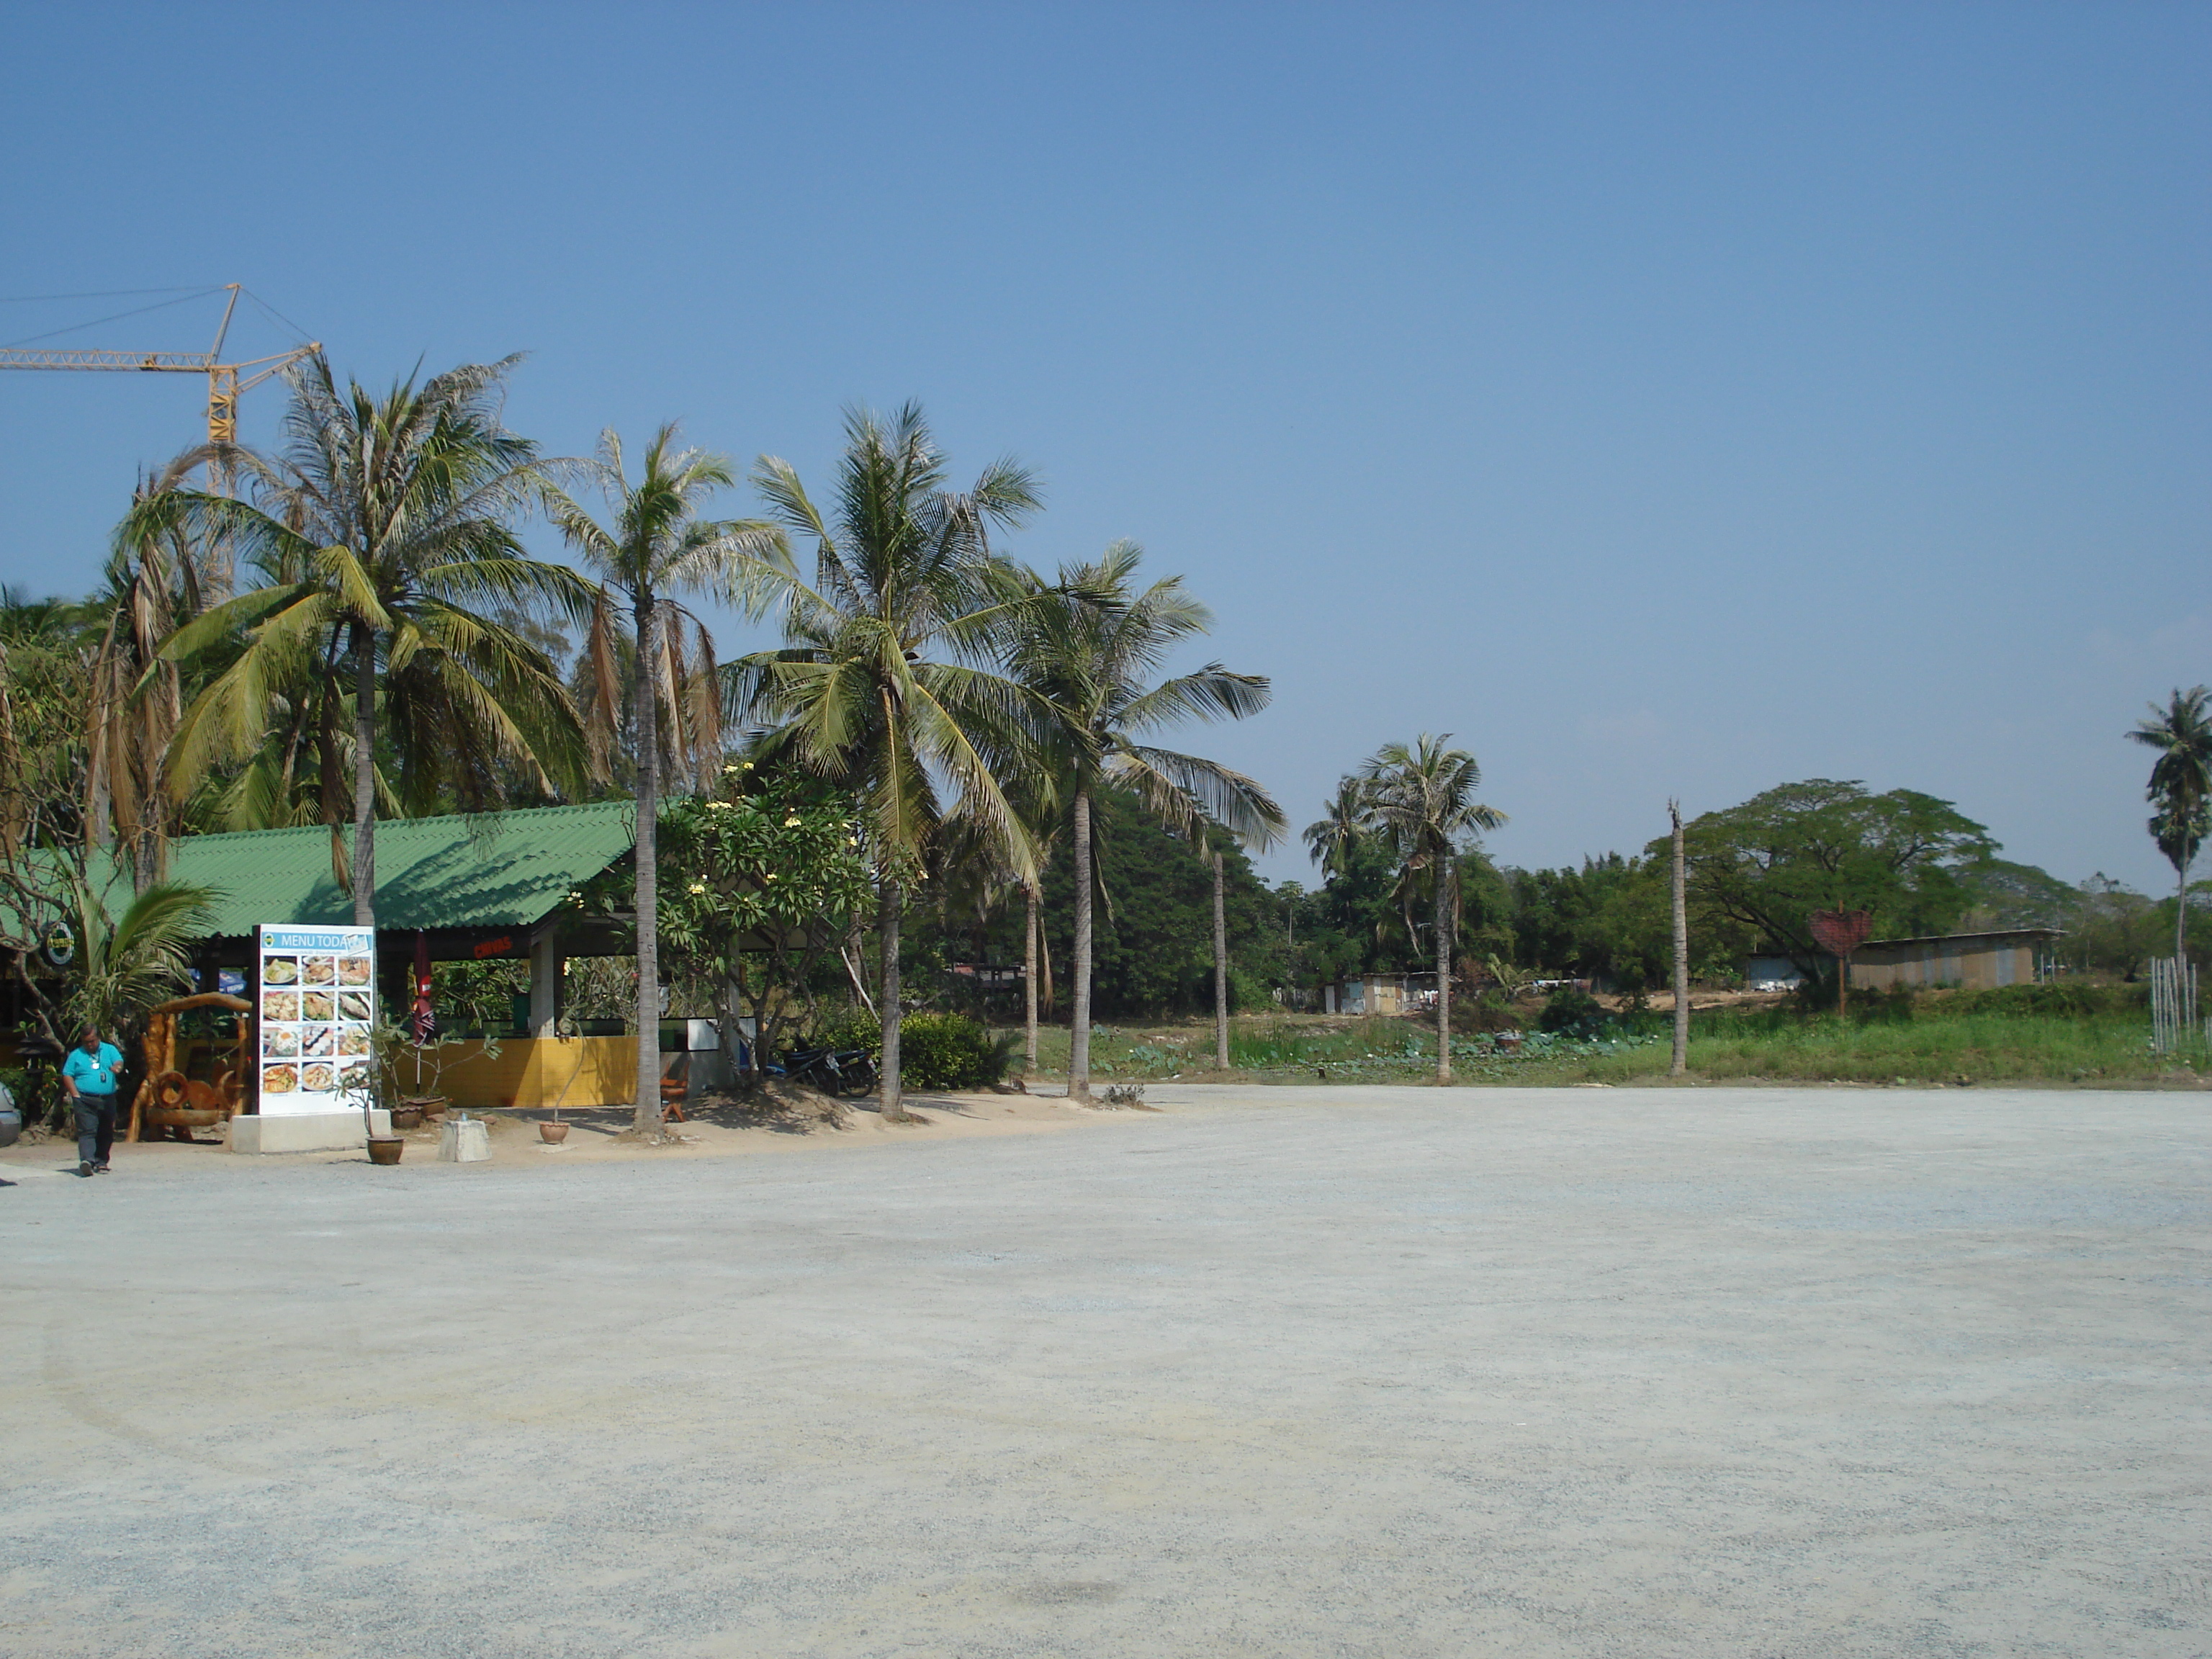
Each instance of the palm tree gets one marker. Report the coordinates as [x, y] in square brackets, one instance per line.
[382, 537]
[1422, 800]
[903, 569]
[1213, 850]
[1085, 648]
[46, 681]
[1332, 838]
[656, 546]
[1036, 798]
[2180, 788]
[157, 580]
[127, 964]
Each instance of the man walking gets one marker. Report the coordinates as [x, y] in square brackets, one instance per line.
[92, 1073]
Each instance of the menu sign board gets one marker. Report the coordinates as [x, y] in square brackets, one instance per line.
[317, 989]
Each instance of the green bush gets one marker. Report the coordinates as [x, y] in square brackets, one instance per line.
[848, 1027]
[1568, 1009]
[948, 1051]
[1248, 992]
[2063, 999]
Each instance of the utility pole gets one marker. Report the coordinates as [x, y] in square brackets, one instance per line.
[1681, 953]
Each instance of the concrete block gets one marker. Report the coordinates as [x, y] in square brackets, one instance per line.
[464, 1142]
[305, 1132]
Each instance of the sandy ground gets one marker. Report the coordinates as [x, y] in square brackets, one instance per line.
[720, 1126]
[1366, 1371]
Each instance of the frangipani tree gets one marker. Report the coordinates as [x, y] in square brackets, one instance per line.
[776, 871]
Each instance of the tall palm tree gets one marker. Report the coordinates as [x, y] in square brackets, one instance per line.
[880, 686]
[656, 546]
[2180, 788]
[157, 580]
[1422, 800]
[45, 685]
[1210, 843]
[1085, 648]
[382, 535]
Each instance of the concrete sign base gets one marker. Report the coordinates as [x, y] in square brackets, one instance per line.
[305, 1132]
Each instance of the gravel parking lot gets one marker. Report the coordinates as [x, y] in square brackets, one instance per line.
[1381, 1372]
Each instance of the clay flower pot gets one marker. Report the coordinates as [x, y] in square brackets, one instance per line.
[386, 1149]
[552, 1133]
[406, 1117]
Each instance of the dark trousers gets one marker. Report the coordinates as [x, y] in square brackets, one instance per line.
[95, 1127]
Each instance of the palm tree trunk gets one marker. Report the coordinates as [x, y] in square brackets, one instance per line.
[364, 776]
[1220, 972]
[1444, 873]
[1681, 1061]
[2180, 914]
[1079, 1036]
[1029, 977]
[887, 924]
[645, 724]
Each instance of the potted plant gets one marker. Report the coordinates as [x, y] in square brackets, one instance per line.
[382, 1149]
[419, 1069]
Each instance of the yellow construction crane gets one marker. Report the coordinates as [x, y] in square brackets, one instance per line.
[225, 384]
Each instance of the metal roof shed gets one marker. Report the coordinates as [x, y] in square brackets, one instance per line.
[473, 874]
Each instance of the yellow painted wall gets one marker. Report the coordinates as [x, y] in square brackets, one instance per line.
[540, 1072]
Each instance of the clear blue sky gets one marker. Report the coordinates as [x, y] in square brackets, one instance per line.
[1663, 399]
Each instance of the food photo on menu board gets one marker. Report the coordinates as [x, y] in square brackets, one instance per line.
[315, 1037]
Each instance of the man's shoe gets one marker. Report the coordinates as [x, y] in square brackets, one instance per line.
[99, 1169]
[85, 1170]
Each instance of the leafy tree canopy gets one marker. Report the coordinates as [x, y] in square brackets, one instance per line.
[1821, 844]
[758, 865]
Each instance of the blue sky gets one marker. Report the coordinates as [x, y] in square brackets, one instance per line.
[1669, 399]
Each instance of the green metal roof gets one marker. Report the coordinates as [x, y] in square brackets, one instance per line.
[493, 869]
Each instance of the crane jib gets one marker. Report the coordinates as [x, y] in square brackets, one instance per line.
[191, 362]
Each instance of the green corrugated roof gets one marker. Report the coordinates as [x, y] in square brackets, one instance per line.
[496, 869]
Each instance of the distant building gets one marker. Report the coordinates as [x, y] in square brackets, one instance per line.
[1976, 962]
[1380, 993]
[1972, 962]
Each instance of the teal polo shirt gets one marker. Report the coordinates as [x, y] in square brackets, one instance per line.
[94, 1074]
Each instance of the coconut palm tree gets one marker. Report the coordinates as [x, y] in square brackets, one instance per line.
[1209, 844]
[880, 686]
[45, 683]
[1422, 800]
[2180, 788]
[1336, 835]
[656, 546]
[1040, 810]
[157, 580]
[1085, 648]
[382, 536]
